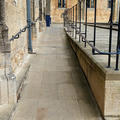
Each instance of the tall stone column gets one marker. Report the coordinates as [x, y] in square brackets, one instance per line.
[40, 10]
[7, 79]
[48, 5]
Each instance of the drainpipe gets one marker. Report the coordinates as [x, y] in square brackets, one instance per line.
[30, 50]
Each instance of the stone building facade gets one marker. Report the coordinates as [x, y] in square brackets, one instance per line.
[13, 54]
[56, 11]
[103, 10]
[13, 17]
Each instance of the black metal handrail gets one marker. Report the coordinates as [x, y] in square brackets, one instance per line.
[16, 36]
[73, 22]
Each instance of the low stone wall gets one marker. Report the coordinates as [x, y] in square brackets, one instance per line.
[104, 83]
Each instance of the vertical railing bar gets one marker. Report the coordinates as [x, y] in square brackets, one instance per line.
[86, 24]
[110, 37]
[73, 21]
[118, 44]
[64, 18]
[70, 19]
[68, 15]
[76, 24]
[80, 20]
[67, 19]
[94, 39]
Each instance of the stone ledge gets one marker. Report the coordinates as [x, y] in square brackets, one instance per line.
[21, 78]
[104, 83]
[7, 110]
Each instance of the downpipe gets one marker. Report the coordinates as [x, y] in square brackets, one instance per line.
[30, 50]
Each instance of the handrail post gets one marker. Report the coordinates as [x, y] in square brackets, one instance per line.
[118, 44]
[29, 26]
[110, 37]
[94, 39]
[73, 21]
[76, 24]
[80, 20]
[64, 19]
[86, 23]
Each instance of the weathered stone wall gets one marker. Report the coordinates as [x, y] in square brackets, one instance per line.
[56, 13]
[13, 54]
[103, 12]
[16, 19]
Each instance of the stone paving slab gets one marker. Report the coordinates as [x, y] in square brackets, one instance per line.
[56, 87]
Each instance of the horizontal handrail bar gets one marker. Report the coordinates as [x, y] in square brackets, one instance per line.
[16, 36]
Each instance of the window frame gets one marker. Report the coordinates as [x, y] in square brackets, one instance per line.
[90, 4]
[61, 3]
[109, 4]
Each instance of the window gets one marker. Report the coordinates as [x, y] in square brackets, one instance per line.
[90, 3]
[61, 3]
[109, 3]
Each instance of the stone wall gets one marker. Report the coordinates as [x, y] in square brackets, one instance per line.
[103, 12]
[16, 19]
[56, 13]
[13, 54]
[15, 13]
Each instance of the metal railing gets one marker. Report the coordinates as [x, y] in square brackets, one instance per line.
[73, 22]
[17, 35]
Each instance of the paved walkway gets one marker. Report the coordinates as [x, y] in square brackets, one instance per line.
[56, 88]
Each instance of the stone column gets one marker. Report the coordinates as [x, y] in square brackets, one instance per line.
[48, 4]
[40, 9]
[7, 81]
